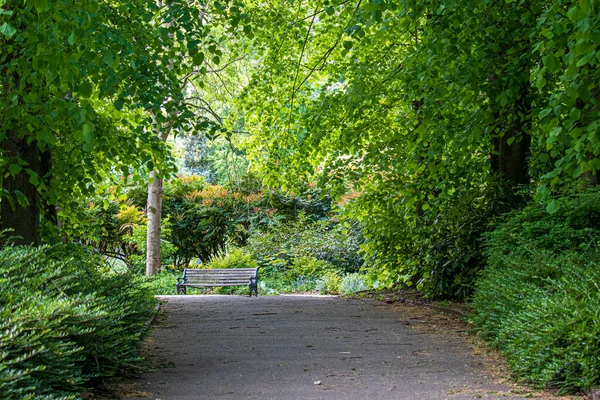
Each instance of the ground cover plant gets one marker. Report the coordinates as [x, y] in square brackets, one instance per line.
[537, 299]
[65, 321]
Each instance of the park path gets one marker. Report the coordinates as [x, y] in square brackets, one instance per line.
[304, 347]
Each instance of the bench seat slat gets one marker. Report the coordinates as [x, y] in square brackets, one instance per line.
[239, 281]
[212, 284]
[248, 273]
[193, 278]
[209, 271]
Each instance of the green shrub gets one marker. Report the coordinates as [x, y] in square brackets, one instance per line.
[440, 251]
[235, 258]
[306, 267]
[537, 300]
[353, 283]
[163, 283]
[277, 249]
[330, 283]
[64, 320]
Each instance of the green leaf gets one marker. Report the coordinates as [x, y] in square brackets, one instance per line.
[347, 44]
[71, 38]
[7, 30]
[88, 137]
[552, 207]
[573, 13]
[85, 89]
[552, 63]
[577, 172]
[584, 93]
[34, 179]
[119, 104]
[21, 198]
[41, 5]
[14, 169]
[542, 188]
[540, 82]
[198, 58]
[108, 56]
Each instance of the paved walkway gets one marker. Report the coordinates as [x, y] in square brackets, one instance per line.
[304, 347]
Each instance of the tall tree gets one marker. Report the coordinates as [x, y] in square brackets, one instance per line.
[200, 33]
[411, 103]
[85, 84]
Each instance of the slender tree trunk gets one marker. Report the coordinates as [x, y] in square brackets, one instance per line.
[153, 214]
[154, 210]
[24, 221]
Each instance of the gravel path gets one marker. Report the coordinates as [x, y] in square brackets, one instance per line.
[304, 347]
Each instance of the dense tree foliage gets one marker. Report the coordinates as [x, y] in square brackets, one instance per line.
[414, 106]
[85, 87]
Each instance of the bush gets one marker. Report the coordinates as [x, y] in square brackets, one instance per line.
[64, 320]
[353, 283]
[306, 267]
[537, 299]
[278, 249]
[440, 251]
[330, 283]
[235, 258]
[163, 283]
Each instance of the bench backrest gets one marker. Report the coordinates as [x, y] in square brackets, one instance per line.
[225, 277]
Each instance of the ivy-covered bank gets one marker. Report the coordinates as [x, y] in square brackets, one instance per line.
[66, 321]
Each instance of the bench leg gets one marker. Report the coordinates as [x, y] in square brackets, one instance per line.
[253, 288]
[181, 289]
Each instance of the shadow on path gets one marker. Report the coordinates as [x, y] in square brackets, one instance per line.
[304, 347]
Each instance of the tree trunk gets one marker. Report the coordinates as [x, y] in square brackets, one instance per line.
[49, 210]
[24, 221]
[511, 151]
[153, 213]
[153, 210]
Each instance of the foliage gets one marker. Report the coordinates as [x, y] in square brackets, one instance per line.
[330, 283]
[280, 247]
[64, 321]
[88, 85]
[537, 299]
[306, 267]
[200, 220]
[410, 105]
[219, 160]
[353, 283]
[235, 258]
[137, 240]
[163, 283]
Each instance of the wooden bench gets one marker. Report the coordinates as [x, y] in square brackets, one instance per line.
[200, 278]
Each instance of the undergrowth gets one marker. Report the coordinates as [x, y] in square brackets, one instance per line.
[538, 300]
[65, 321]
